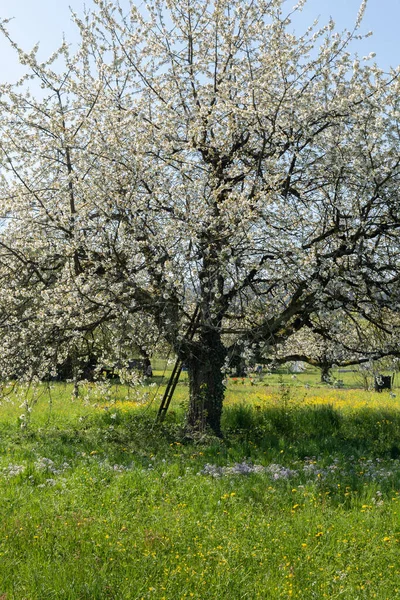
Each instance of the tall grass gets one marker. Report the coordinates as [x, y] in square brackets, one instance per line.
[299, 500]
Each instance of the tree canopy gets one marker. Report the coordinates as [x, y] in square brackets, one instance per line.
[196, 156]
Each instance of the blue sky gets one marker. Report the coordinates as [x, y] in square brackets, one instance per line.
[45, 21]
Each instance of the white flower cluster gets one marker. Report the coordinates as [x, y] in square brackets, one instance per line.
[13, 470]
[245, 468]
[47, 465]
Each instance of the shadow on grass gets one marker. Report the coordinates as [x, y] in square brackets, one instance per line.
[249, 432]
[316, 430]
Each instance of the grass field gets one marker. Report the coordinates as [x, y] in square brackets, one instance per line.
[299, 500]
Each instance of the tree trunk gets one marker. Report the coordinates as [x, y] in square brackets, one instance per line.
[325, 373]
[206, 387]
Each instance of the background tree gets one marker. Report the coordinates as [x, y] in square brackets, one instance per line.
[196, 158]
[342, 338]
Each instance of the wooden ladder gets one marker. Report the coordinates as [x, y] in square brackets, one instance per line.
[176, 371]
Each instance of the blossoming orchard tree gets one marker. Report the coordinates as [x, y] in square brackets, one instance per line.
[194, 172]
[347, 339]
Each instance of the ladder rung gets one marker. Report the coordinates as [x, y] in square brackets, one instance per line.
[176, 371]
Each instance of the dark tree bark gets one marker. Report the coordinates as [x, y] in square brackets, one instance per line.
[206, 387]
[325, 373]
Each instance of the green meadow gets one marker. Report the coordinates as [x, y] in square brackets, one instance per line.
[300, 499]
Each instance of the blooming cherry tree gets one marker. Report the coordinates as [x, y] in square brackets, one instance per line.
[195, 163]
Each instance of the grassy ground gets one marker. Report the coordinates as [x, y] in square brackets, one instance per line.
[299, 500]
[352, 377]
